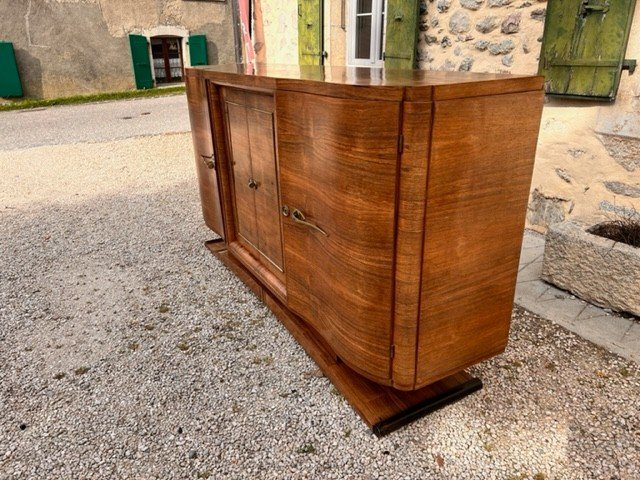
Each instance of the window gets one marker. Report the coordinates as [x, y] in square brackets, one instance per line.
[366, 32]
[167, 59]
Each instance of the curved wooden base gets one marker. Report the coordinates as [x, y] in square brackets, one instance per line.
[383, 409]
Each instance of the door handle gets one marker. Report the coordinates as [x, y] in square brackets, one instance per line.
[586, 8]
[299, 217]
[209, 161]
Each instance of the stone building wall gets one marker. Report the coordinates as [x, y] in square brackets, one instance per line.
[481, 35]
[588, 159]
[67, 47]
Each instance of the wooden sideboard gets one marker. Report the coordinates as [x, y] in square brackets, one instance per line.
[380, 211]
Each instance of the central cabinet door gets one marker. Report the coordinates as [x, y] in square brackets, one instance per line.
[338, 167]
[250, 127]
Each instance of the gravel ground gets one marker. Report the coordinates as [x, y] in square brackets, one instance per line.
[128, 351]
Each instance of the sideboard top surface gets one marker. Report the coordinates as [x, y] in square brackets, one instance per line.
[373, 83]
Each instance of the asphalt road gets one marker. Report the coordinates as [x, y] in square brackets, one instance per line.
[93, 122]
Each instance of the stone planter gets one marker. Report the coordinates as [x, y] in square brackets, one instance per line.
[596, 269]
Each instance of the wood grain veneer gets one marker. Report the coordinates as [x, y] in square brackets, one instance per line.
[197, 100]
[479, 175]
[380, 212]
[338, 161]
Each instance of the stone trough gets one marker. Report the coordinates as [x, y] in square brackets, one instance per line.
[596, 269]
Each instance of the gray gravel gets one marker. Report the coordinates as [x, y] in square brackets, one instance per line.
[93, 122]
[128, 351]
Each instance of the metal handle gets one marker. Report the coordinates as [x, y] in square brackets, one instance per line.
[586, 8]
[299, 217]
[253, 184]
[209, 161]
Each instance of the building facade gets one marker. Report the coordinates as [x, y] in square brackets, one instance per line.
[68, 47]
[588, 158]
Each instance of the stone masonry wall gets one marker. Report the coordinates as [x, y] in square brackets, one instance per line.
[481, 35]
[67, 47]
[588, 158]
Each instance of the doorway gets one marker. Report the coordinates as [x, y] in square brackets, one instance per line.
[166, 52]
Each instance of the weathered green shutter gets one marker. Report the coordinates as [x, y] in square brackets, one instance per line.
[402, 34]
[198, 50]
[141, 62]
[583, 47]
[10, 85]
[310, 32]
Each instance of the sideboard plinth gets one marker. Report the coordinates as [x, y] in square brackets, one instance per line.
[383, 409]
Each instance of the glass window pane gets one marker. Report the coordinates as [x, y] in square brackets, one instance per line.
[156, 50]
[363, 37]
[364, 6]
[172, 49]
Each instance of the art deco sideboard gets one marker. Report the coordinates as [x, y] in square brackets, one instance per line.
[378, 213]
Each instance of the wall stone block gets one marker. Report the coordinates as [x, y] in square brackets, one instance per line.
[460, 22]
[507, 60]
[545, 210]
[482, 45]
[443, 5]
[499, 3]
[466, 64]
[539, 14]
[511, 24]
[501, 48]
[430, 39]
[620, 188]
[487, 24]
[564, 175]
[472, 4]
[624, 150]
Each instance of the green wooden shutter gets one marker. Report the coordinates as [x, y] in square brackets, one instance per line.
[310, 32]
[583, 47]
[198, 50]
[401, 34]
[141, 62]
[10, 85]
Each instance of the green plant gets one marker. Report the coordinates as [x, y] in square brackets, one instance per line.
[624, 229]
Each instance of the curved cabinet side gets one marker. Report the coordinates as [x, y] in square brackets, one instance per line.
[338, 167]
[206, 167]
[480, 169]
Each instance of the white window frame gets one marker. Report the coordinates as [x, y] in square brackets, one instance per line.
[377, 32]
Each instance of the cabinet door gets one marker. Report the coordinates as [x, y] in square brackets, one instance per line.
[198, 102]
[240, 152]
[250, 127]
[338, 168]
